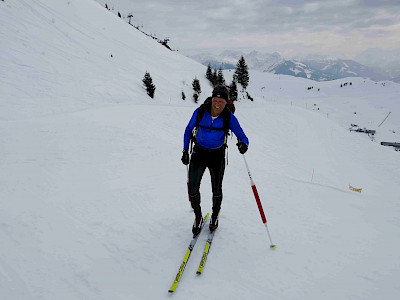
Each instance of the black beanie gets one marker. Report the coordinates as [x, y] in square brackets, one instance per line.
[221, 91]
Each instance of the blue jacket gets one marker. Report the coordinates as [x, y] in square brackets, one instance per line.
[209, 138]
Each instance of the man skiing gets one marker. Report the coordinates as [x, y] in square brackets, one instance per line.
[208, 129]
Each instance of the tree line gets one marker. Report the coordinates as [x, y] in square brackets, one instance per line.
[215, 77]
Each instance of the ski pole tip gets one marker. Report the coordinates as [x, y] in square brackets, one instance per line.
[273, 247]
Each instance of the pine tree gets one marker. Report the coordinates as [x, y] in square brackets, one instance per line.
[215, 77]
[183, 95]
[196, 86]
[148, 83]
[233, 94]
[209, 74]
[197, 89]
[242, 73]
[195, 97]
[220, 77]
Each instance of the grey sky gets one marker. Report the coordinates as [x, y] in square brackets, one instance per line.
[290, 27]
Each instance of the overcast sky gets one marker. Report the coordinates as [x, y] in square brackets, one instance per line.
[290, 27]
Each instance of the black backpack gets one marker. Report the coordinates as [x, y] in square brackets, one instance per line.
[226, 115]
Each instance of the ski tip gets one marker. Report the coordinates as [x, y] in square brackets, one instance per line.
[273, 247]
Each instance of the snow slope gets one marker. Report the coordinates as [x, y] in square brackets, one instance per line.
[62, 49]
[93, 201]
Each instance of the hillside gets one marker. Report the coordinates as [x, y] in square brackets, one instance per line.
[65, 58]
[93, 201]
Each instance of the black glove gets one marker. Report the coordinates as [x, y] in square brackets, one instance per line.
[185, 157]
[242, 147]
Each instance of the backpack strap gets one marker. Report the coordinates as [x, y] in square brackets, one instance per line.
[200, 114]
[226, 114]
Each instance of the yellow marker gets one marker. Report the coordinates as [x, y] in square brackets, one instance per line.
[352, 188]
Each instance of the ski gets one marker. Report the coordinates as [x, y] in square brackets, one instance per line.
[186, 258]
[205, 252]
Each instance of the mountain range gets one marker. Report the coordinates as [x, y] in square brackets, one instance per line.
[315, 68]
[374, 64]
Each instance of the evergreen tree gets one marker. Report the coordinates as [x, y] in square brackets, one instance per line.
[197, 89]
[209, 74]
[196, 86]
[183, 95]
[233, 94]
[220, 77]
[215, 77]
[242, 73]
[195, 97]
[148, 84]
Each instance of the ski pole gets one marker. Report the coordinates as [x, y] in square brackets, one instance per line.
[260, 208]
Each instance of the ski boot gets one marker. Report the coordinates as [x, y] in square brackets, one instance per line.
[198, 223]
[213, 222]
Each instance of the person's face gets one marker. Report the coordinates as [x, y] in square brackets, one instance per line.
[218, 105]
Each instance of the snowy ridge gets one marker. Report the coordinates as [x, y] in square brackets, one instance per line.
[318, 68]
[93, 201]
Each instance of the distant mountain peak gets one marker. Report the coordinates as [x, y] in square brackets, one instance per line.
[315, 67]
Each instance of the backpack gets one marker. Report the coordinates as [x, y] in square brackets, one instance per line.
[229, 107]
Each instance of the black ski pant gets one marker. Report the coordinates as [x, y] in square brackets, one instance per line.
[214, 160]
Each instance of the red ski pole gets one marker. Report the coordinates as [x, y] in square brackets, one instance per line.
[260, 208]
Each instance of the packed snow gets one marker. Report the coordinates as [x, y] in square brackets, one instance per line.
[93, 199]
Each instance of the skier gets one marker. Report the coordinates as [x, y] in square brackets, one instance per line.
[208, 129]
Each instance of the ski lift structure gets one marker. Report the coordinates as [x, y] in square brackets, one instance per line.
[370, 132]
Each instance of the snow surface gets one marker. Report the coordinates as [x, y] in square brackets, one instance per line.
[93, 201]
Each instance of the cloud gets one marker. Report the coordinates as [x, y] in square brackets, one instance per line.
[274, 25]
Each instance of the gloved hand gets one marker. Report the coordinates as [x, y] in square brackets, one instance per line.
[185, 157]
[242, 147]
